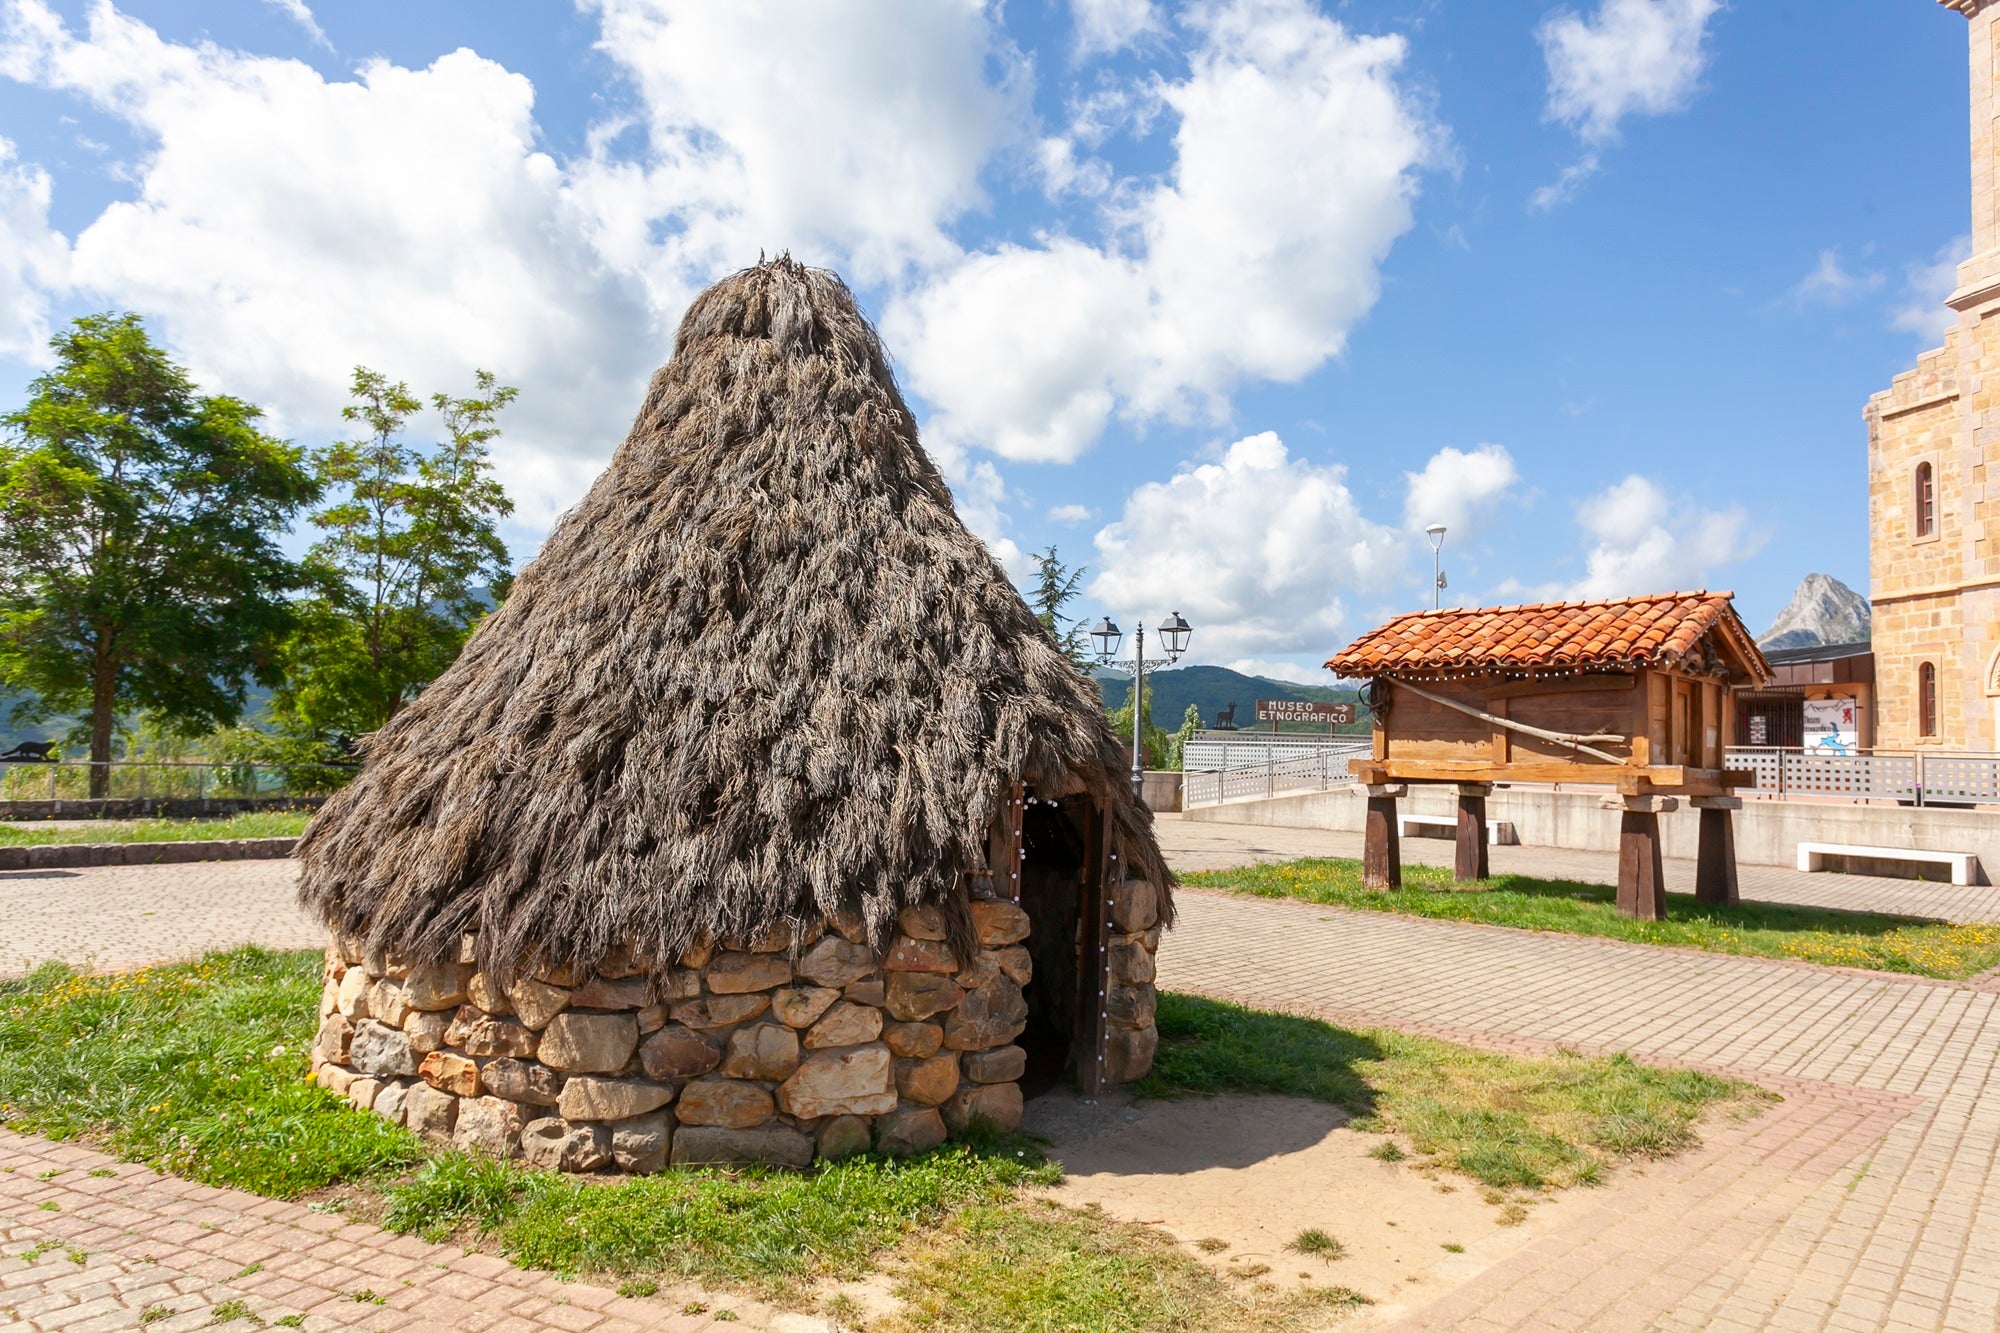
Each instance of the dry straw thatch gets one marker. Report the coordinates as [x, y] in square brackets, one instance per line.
[761, 674]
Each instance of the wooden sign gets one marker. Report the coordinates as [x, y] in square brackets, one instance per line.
[1294, 710]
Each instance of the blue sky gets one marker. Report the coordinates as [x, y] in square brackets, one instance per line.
[1226, 299]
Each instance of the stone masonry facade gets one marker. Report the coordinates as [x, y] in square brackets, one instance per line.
[766, 1050]
[1936, 595]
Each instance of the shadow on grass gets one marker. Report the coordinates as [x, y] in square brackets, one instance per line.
[1686, 907]
[1207, 1046]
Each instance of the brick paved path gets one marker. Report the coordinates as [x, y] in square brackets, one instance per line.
[127, 1244]
[1865, 1201]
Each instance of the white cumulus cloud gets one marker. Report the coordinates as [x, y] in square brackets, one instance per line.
[301, 13]
[32, 258]
[1104, 26]
[1926, 285]
[1255, 550]
[1295, 166]
[1630, 57]
[1832, 283]
[1644, 541]
[1458, 488]
[1071, 513]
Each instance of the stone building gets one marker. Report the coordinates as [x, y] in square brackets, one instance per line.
[763, 820]
[1934, 482]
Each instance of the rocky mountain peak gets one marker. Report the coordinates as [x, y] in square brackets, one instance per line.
[1823, 610]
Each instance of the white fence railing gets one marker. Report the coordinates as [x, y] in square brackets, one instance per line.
[1212, 751]
[1912, 777]
[1275, 771]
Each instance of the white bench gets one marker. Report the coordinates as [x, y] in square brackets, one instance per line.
[1499, 832]
[1964, 865]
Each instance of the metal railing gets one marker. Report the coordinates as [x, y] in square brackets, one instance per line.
[1213, 751]
[1912, 777]
[69, 780]
[1275, 772]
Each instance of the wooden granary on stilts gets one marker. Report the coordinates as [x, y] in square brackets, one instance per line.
[1630, 694]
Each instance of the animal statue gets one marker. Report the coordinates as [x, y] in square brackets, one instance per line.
[32, 752]
[1226, 719]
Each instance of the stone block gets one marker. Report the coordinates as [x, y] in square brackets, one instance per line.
[744, 973]
[426, 1029]
[610, 993]
[352, 997]
[640, 1145]
[914, 996]
[923, 923]
[1135, 906]
[719, 1011]
[1128, 1052]
[848, 923]
[392, 1101]
[429, 1112]
[724, 1102]
[857, 1080]
[774, 938]
[928, 1082]
[914, 955]
[537, 1002]
[681, 983]
[521, 1081]
[766, 1051]
[982, 969]
[868, 991]
[843, 1136]
[1015, 964]
[903, 1133]
[468, 948]
[845, 1025]
[553, 1144]
[489, 1125]
[361, 1092]
[589, 1043]
[1003, 1064]
[652, 1018]
[801, 1006]
[990, 1016]
[484, 994]
[334, 1079]
[622, 961]
[388, 1002]
[380, 1050]
[450, 1073]
[676, 1052]
[567, 975]
[706, 1145]
[696, 955]
[837, 961]
[335, 1038]
[913, 1041]
[1127, 1006]
[436, 985]
[997, 923]
[1131, 964]
[998, 1104]
[476, 1034]
[587, 1097]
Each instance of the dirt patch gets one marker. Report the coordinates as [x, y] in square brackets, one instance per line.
[1238, 1178]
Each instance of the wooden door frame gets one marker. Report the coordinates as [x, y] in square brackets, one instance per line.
[1093, 965]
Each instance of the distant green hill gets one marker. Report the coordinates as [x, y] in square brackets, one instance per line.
[1212, 689]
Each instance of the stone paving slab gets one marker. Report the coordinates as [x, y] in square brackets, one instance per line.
[1884, 1216]
[127, 1249]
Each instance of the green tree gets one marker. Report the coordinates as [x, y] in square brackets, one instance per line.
[138, 566]
[1177, 743]
[1056, 586]
[408, 562]
[1157, 741]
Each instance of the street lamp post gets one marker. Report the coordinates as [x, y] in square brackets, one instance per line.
[1174, 634]
[1436, 533]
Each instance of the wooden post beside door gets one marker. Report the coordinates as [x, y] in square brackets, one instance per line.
[1101, 875]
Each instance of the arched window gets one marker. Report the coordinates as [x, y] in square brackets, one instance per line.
[1925, 501]
[1927, 699]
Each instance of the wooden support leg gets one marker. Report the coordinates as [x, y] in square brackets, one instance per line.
[1382, 844]
[1715, 854]
[1469, 864]
[1642, 883]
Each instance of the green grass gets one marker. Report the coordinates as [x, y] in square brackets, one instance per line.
[1044, 1268]
[1874, 940]
[198, 1068]
[257, 824]
[1506, 1121]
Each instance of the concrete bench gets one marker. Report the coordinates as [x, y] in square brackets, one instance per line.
[1499, 832]
[1964, 865]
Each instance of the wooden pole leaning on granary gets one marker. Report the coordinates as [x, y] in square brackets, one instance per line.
[1715, 854]
[1381, 841]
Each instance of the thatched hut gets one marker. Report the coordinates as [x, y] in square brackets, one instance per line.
[764, 819]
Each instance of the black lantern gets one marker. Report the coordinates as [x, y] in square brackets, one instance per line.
[1174, 633]
[1108, 636]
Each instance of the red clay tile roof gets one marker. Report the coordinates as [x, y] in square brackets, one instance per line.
[1635, 632]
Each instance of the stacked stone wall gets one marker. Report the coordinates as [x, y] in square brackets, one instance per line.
[769, 1050]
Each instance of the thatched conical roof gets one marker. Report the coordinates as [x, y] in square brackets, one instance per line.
[762, 673]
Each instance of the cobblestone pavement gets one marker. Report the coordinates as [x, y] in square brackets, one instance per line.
[1194, 844]
[115, 917]
[1864, 1201]
[114, 1246]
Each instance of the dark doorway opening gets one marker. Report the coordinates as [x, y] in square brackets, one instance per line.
[1052, 864]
